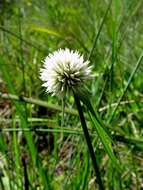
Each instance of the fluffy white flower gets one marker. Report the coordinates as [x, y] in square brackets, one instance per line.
[64, 71]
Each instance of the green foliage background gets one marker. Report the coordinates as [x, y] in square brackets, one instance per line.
[56, 157]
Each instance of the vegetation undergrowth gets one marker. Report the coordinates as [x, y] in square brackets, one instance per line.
[42, 145]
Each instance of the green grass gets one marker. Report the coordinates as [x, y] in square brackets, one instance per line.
[38, 140]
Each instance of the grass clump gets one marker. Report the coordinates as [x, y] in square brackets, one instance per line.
[35, 151]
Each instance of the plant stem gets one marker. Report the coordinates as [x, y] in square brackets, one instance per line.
[26, 180]
[89, 144]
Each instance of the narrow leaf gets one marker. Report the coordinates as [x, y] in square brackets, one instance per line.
[46, 30]
[103, 134]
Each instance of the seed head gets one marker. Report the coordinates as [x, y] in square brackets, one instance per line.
[64, 71]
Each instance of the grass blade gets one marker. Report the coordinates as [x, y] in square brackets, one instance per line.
[102, 132]
[28, 136]
[99, 31]
[127, 86]
[88, 141]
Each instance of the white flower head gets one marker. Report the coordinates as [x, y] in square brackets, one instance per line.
[64, 71]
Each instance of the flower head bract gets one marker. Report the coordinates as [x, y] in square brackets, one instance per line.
[64, 71]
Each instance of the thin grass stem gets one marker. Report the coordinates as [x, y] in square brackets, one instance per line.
[40, 49]
[127, 86]
[89, 144]
[56, 107]
[99, 31]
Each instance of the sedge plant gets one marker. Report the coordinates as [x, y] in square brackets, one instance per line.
[65, 72]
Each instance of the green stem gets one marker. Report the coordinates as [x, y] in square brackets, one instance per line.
[90, 147]
[62, 120]
[63, 111]
[2, 185]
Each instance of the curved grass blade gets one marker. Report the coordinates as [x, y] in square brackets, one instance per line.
[100, 129]
[46, 30]
[104, 139]
[127, 86]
